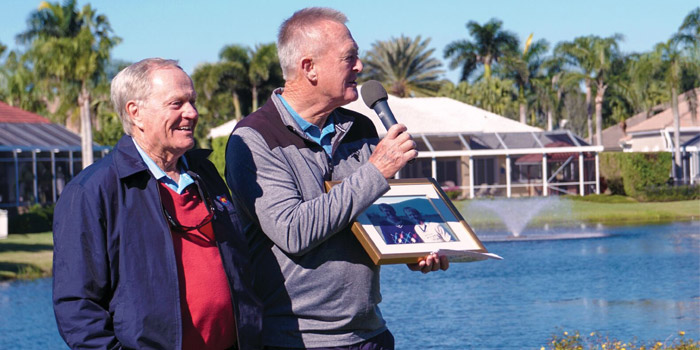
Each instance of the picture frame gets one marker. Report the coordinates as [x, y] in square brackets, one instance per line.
[412, 220]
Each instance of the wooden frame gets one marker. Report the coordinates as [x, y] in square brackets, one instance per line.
[419, 213]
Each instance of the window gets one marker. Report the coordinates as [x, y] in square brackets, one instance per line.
[484, 171]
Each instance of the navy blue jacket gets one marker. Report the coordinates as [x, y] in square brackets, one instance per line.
[115, 274]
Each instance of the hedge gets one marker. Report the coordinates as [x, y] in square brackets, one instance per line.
[218, 155]
[36, 219]
[631, 174]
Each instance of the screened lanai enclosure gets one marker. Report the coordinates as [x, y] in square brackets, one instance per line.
[507, 164]
[37, 158]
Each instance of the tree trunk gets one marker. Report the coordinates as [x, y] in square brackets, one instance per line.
[549, 119]
[254, 94]
[677, 166]
[85, 126]
[523, 106]
[237, 106]
[523, 112]
[589, 111]
[599, 114]
[487, 70]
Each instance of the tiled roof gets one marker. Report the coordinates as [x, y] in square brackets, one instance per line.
[664, 119]
[22, 130]
[9, 114]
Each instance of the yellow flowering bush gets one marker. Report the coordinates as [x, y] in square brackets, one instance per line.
[594, 341]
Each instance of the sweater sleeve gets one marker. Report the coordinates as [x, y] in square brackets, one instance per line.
[267, 188]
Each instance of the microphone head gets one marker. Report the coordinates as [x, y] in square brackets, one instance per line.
[372, 91]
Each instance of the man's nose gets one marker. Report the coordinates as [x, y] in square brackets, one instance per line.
[190, 110]
[358, 65]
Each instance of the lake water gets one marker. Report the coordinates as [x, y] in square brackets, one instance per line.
[641, 282]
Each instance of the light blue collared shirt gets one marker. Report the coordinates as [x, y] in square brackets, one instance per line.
[322, 137]
[160, 175]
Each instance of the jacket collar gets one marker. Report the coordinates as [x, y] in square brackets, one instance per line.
[128, 161]
[342, 120]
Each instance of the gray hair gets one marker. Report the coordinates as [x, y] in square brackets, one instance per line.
[301, 32]
[133, 84]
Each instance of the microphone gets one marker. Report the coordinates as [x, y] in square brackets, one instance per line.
[374, 96]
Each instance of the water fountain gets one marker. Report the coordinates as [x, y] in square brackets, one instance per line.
[517, 213]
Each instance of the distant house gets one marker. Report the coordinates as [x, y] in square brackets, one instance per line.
[484, 154]
[37, 158]
[224, 129]
[656, 133]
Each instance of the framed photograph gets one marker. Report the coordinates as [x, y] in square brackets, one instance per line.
[413, 219]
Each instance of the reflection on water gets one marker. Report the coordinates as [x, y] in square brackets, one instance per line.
[641, 282]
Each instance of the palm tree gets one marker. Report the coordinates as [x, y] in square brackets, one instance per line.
[404, 66]
[489, 45]
[260, 67]
[592, 58]
[641, 86]
[674, 62]
[549, 89]
[521, 67]
[689, 31]
[71, 49]
[495, 95]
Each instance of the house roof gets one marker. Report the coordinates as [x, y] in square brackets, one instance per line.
[10, 114]
[615, 133]
[664, 119]
[22, 130]
[441, 115]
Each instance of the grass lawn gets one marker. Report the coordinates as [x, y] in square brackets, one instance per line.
[26, 255]
[568, 212]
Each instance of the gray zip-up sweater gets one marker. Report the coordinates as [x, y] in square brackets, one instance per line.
[318, 285]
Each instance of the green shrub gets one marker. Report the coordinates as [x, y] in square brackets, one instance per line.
[611, 172]
[643, 170]
[632, 173]
[36, 219]
[668, 193]
[218, 155]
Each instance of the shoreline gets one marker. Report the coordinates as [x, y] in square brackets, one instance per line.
[30, 256]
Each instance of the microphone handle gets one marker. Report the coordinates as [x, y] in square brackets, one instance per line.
[384, 112]
[386, 116]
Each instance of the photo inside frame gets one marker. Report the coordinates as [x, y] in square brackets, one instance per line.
[410, 219]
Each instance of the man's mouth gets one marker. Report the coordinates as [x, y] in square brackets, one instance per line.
[185, 128]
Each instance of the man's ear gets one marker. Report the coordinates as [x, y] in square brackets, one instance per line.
[309, 69]
[133, 110]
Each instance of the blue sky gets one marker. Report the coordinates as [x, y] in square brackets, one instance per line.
[194, 32]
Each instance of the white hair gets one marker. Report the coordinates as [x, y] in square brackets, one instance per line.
[133, 84]
[301, 34]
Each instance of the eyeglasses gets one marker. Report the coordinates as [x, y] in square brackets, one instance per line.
[175, 225]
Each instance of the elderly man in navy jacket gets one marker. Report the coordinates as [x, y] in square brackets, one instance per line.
[148, 251]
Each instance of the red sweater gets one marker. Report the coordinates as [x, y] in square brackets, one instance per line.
[205, 298]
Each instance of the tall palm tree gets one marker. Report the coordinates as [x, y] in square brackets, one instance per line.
[591, 59]
[523, 66]
[404, 66]
[549, 89]
[670, 57]
[490, 43]
[71, 48]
